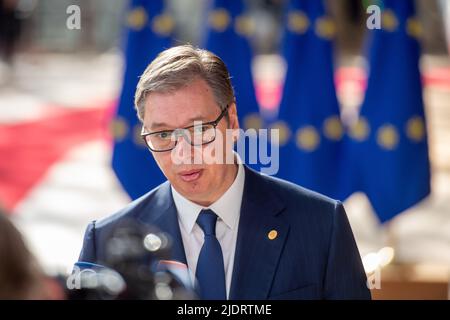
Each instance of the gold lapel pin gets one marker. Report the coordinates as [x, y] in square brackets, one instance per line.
[272, 234]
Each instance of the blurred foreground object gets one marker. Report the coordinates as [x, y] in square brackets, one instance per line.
[135, 267]
[20, 275]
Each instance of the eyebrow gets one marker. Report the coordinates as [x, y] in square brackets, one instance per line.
[157, 125]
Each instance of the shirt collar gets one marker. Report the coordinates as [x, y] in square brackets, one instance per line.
[227, 207]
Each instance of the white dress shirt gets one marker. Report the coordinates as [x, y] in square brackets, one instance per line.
[228, 209]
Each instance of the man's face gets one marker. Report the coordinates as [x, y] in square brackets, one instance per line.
[205, 182]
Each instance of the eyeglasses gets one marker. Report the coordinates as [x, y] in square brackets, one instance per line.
[195, 135]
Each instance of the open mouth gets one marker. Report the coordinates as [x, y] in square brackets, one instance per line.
[191, 175]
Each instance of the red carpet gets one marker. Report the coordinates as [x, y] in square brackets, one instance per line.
[29, 149]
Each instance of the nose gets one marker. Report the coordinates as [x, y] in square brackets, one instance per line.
[183, 152]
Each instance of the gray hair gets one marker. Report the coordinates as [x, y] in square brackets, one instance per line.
[178, 66]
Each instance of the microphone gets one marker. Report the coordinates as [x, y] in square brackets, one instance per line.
[136, 265]
[179, 270]
[182, 281]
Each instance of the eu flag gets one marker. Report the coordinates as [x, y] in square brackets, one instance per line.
[229, 29]
[309, 122]
[148, 30]
[388, 151]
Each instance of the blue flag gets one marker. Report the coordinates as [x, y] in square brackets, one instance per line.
[228, 32]
[148, 32]
[387, 146]
[309, 122]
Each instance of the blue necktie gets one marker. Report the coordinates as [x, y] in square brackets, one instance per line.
[210, 271]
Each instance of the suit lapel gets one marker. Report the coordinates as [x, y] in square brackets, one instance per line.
[166, 219]
[256, 256]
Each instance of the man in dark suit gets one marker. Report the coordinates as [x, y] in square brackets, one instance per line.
[244, 235]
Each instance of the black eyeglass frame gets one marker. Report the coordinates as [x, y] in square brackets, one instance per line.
[214, 123]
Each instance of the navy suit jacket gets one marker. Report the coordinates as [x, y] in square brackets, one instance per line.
[313, 256]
